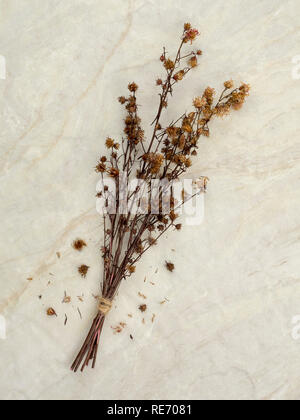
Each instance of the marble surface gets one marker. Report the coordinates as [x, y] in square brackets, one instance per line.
[226, 331]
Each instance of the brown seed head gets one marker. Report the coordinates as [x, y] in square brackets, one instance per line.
[83, 270]
[170, 266]
[109, 143]
[79, 244]
[169, 64]
[228, 84]
[133, 87]
[122, 100]
[193, 62]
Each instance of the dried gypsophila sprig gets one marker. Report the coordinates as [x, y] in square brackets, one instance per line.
[168, 155]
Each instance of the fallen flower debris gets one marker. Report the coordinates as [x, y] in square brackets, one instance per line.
[170, 266]
[79, 244]
[51, 312]
[83, 270]
[143, 308]
[66, 299]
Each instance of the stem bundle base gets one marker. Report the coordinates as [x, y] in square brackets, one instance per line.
[89, 349]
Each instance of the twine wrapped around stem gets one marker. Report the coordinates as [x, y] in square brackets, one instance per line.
[105, 306]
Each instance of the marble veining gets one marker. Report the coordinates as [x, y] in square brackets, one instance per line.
[228, 328]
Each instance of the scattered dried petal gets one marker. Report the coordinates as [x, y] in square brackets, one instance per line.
[67, 299]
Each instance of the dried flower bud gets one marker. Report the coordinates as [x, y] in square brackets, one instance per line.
[187, 26]
[190, 35]
[109, 143]
[228, 84]
[193, 62]
[100, 168]
[188, 164]
[169, 64]
[245, 88]
[159, 82]
[209, 95]
[199, 102]
[222, 109]
[133, 87]
[187, 127]
[182, 142]
[122, 100]
[114, 173]
[179, 75]
[173, 216]
[199, 52]
[131, 269]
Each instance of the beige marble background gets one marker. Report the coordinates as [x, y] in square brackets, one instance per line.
[226, 331]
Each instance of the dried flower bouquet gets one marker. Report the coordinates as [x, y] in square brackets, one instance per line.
[166, 156]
